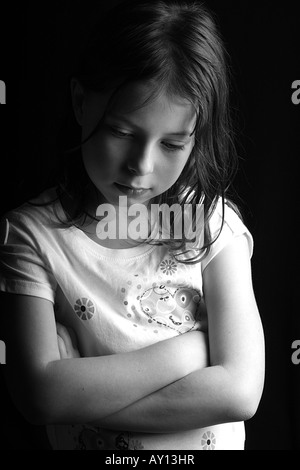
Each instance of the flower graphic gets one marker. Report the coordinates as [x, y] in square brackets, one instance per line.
[208, 441]
[168, 267]
[84, 308]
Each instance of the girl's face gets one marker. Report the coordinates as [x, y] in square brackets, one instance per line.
[138, 150]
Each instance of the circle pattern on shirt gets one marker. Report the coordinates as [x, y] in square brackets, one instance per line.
[168, 267]
[208, 441]
[84, 308]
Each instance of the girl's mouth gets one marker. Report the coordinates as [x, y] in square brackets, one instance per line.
[131, 190]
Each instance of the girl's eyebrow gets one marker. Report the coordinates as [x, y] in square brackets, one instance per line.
[183, 133]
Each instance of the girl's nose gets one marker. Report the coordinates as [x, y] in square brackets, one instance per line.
[142, 160]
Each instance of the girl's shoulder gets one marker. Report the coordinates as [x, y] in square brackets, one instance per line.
[226, 224]
[34, 215]
[45, 206]
[227, 216]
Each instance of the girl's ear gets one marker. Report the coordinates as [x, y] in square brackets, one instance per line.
[78, 97]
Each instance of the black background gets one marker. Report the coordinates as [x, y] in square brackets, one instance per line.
[39, 42]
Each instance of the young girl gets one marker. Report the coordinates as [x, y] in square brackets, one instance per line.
[124, 342]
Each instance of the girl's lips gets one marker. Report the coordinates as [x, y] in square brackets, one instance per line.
[130, 190]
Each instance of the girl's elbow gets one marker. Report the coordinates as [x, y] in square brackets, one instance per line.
[244, 402]
[36, 416]
[32, 410]
[38, 411]
[243, 409]
[30, 402]
[38, 403]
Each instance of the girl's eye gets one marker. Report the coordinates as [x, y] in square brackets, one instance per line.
[119, 133]
[172, 147]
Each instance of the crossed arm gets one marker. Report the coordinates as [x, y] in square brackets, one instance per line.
[161, 388]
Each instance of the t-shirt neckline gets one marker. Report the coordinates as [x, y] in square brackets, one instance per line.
[96, 248]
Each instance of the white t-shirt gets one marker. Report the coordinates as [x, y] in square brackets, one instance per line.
[116, 300]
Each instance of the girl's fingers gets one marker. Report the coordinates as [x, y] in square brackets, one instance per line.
[67, 342]
[61, 347]
[73, 337]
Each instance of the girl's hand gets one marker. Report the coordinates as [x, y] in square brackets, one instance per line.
[67, 342]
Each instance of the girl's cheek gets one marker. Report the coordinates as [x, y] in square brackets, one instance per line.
[103, 157]
[109, 147]
[175, 166]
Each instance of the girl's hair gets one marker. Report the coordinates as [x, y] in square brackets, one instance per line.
[174, 45]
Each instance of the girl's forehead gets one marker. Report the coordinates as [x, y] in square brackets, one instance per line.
[145, 97]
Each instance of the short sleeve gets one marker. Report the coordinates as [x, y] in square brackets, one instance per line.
[23, 270]
[233, 227]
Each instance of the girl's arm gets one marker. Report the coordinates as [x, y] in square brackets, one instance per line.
[230, 389]
[77, 390]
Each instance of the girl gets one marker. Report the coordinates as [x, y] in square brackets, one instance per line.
[140, 342]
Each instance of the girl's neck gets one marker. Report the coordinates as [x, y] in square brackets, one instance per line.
[92, 225]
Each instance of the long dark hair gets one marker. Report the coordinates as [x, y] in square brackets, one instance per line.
[176, 45]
